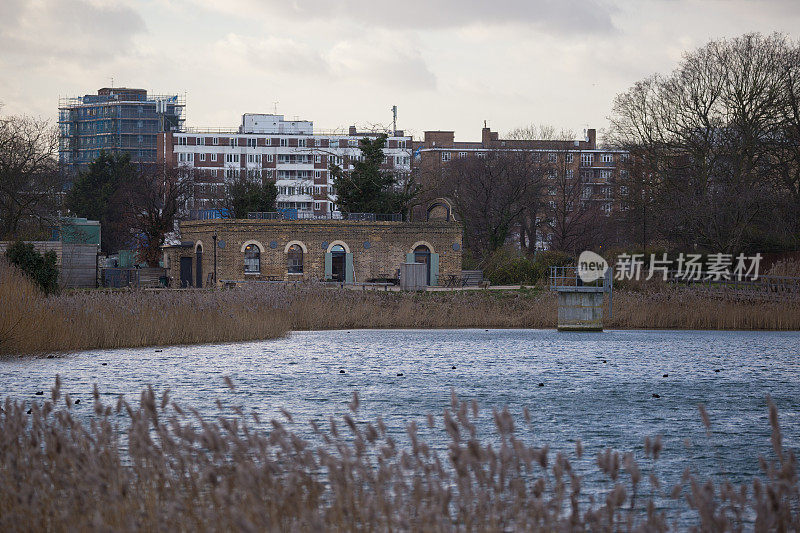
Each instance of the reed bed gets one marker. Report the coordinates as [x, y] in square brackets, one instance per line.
[162, 467]
[31, 323]
[663, 308]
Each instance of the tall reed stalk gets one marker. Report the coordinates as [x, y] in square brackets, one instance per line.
[162, 467]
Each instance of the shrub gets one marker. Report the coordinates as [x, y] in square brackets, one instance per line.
[507, 266]
[550, 258]
[41, 268]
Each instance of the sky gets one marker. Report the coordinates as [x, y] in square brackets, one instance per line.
[446, 64]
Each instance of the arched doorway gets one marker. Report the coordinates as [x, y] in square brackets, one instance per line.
[338, 263]
[422, 254]
[199, 265]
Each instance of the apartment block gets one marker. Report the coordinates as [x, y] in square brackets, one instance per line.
[267, 146]
[117, 120]
[578, 174]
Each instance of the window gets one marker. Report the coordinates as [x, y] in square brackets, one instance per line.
[251, 143]
[213, 171]
[352, 143]
[202, 157]
[270, 158]
[295, 258]
[445, 156]
[232, 142]
[216, 141]
[570, 173]
[301, 142]
[213, 157]
[481, 155]
[462, 154]
[200, 141]
[552, 157]
[252, 259]
[587, 159]
[284, 142]
[317, 206]
[623, 157]
[607, 208]
[607, 158]
[182, 141]
[605, 175]
[317, 159]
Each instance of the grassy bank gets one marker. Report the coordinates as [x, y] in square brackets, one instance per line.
[31, 323]
[162, 467]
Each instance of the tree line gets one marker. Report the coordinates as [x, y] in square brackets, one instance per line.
[715, 148]
[713, 165]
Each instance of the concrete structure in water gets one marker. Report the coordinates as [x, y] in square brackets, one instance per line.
[580, 306]
[580, 309]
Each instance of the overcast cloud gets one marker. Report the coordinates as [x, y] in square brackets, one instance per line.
[446, 64]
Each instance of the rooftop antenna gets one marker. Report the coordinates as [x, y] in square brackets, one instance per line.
[275, 108]
[394, 121]
[112, 82]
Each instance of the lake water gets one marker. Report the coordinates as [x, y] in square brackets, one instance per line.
[597, 387]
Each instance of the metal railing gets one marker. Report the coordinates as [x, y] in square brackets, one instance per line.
[304, 215]
[562, 277]
[208, 214]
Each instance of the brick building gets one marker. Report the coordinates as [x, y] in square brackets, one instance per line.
[580, 176]
[324, 250]
[269, 147]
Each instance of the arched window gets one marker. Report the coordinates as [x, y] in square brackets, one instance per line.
[295, 258]
[252, 259]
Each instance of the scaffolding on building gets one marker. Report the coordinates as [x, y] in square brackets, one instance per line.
[126, 121]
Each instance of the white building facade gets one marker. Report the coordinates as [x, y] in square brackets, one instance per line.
[289, 152]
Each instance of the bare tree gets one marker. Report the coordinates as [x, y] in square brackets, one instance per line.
[491, 192]
[533, 132]
[708, 137]
[30, 184]
[155, 199]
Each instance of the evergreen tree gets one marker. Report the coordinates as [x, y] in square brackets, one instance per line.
[97, 195]
[368, 188]
[245, 196]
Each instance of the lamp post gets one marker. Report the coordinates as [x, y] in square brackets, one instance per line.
[214, 238]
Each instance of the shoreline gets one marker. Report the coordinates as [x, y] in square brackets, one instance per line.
[31, 324]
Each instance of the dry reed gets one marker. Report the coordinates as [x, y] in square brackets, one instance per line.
[31, 323]
[160, 467]
[665, 308]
